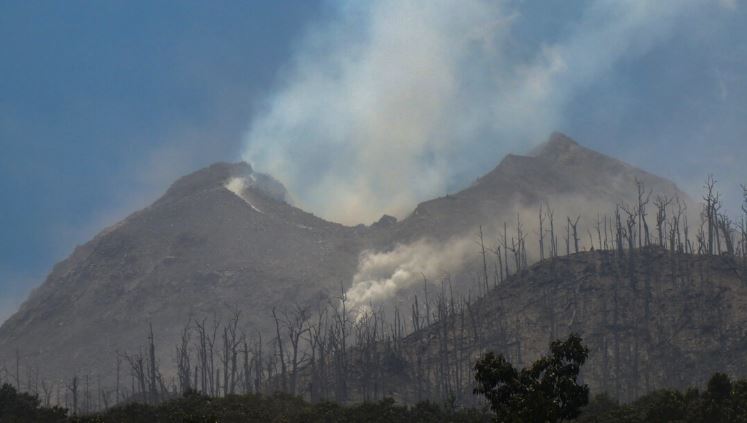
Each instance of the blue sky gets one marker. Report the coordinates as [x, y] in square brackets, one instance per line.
[104, 104]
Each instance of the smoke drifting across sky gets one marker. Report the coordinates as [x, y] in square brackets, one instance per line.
[390, 102]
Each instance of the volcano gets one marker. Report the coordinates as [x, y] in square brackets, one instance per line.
[228, 239]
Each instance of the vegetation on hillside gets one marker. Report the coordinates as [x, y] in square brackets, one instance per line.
[546, 391]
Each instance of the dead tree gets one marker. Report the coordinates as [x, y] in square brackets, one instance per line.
[484, 260]
[87, 396]
[206, 355]
[619, 231]
[138, 372]
[317, 339]
[183, 364]
[661, 204]
[202, 356]
[213, 371]
[541, 234]
[246, 378]
[280, 353]
[684, 246]
[18, 370]
[296, 328]
[675, 241]
[710, 198]
[339, 333]
[716, 213]
[258, 364]
[643, 200]
[725, 226]
[415, 314]
[505, 247]
[631, 222]
[73, 388]
[520, 244]
[153, 377]
[229, 358]
[118, 366]
[498, 262]
[573, 225]
[553, 239]
[427, 301]
[46, 392]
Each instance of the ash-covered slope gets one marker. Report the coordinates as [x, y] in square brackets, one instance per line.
[218, 240]
[573, 180]
[226, 238]
[651, 318]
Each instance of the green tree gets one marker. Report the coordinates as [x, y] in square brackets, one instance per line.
[717, 398]
[547, 391]
[22, 407]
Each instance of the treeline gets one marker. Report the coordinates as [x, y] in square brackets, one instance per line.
[426, 351]
[195, 407]
[722, 401]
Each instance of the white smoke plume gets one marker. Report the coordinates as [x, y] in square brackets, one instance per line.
[391, 100]
[381, 275]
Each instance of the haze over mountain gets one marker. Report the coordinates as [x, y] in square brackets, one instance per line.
[560, 172]
[227, 238]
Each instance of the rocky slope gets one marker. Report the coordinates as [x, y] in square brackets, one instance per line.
[226, 238]
[652, 319]
[201, 249]
[573, 180]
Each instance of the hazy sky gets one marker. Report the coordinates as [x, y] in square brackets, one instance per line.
[103, 104]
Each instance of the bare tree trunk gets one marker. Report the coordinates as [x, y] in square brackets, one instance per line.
[281, 354]
[710, 198]
[296, 328]
[119, 364]
[152, 365]
[505, 247]
[541, 234]
[573, 224]
[259, 367]
[73, 388]
[643, 200]
[18, 370]
[184, 367]
[661, 204]
[553, 241]
[484, 260]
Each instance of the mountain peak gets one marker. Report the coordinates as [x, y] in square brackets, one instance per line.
[558, 144]
[214, 175]
[221, 174]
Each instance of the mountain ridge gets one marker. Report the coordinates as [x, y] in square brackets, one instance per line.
[205, 249]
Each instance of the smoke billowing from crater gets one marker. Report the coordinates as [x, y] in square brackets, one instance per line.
[391, 102]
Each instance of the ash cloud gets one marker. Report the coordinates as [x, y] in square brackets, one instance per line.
[391, 102]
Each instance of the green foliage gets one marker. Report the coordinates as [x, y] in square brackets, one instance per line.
[547, 391]
[23, 407]
[196, 408]
[723, 401]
